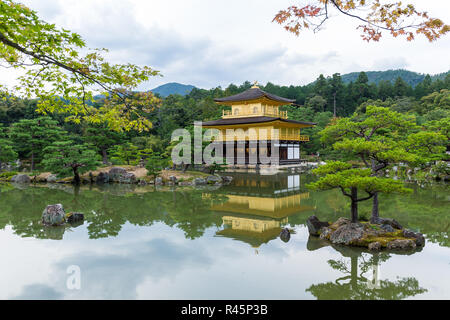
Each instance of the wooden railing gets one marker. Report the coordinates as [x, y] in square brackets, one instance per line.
[277, 114]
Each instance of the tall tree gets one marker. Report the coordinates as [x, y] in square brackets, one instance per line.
[56, 66]
[66, 158]
[341, 175]
[7, 152]
[31, 136]
[382, 137]
[102, 137]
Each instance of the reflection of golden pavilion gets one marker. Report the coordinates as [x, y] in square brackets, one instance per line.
[258, 206]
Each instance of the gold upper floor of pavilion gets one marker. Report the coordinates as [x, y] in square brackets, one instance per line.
[254, 102]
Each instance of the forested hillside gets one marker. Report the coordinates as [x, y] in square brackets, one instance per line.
[410, 77]
[24, 134]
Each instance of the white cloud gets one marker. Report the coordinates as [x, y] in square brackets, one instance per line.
[210, 43]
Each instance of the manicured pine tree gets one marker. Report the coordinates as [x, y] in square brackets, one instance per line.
[31, 136]
[65, 158]
[103, 138]
[337, 174]
[382, 137]
[7, 152]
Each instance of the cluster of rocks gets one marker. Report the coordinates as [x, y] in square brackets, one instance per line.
[383, 233]
[54, 215]
[121, 175]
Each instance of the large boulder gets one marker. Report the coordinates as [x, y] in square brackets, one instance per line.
[21, 178]
[102, 177]
[347, 233]
[285, 235]
[54, 215]
[314, 225]
[401, 244]
[116, 173]
[199, 181]
[120, 175]
[213, 179]
[52, 178]
[417, 236]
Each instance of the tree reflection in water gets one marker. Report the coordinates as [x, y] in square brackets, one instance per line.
[360, 278]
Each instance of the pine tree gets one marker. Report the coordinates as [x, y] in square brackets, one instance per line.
[66, 158]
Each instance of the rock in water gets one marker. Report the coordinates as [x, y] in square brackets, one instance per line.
[102, 177]
[401, 244]
[374, 246]
[347, 234]
[54, 215]
[21, 178]
[419, 238]
[285, 235]
[74, 217]
[314, 225]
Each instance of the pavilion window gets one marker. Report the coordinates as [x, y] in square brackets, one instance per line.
[236, 111]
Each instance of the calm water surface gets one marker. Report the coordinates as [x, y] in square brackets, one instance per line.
[146, 243]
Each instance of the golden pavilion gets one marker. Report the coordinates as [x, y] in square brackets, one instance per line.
[258, 114]
[258, 206]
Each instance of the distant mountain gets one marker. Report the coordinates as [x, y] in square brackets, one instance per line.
[172, 88]
[412, 78]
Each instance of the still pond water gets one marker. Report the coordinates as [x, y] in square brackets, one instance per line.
[184, 243]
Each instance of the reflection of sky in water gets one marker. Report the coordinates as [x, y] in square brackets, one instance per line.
[158, 262]
[137, 244]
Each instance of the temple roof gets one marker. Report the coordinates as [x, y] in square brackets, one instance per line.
[231, 121]
[253, 94]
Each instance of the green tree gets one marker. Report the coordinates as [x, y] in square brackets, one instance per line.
[382, 137]
[7, 152]
[337, 174]
[125, 153]
[102, 137]
[66, 158]
[57, 64]
[401, 88]
[31, 136]
[155, 164]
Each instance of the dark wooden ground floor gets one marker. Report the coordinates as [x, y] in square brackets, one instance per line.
[257, 152]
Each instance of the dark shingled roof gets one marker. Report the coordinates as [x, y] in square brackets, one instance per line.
[252, 94]
[231, 121]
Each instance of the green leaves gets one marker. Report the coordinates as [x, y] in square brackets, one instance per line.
[66, 158]
[55, 67]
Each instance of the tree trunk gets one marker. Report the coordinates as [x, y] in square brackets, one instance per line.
[76, 176]
[354, 206]
[375, 212]
[32, 160]
[105, 156]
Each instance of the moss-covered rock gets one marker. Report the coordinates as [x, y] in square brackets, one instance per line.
[366, 234]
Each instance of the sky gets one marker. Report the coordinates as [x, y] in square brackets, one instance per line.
[210, 43]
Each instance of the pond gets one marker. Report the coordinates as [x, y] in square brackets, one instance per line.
[213, 243]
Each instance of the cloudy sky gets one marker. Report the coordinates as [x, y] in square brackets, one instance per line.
[210, 43]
